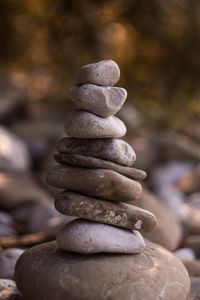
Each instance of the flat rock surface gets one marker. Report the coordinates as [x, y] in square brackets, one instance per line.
[82, 124]
[83, 236]
[96, 163]
[104, 72]
[105, 184]
[102, 101]
[153, 274]
[115, 150]
[118, 214]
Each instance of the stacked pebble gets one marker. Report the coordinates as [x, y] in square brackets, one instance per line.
[95, 169]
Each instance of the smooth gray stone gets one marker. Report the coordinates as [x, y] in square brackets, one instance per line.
[82, 124]
[185, 254]
[114, 150]
[109, 212]
[82, 236]
[8, 259]
[105, 72]
[60, 275]
[96, 163]
[105, 184]
[100, 100]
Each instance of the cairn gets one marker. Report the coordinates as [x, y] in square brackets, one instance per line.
[95, 169]
[89, 260]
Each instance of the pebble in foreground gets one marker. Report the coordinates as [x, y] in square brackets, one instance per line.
[83, 236]
[59, 275]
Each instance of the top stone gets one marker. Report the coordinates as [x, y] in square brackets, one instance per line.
[105, 73]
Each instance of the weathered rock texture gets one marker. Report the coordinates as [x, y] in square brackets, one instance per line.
[46, 272]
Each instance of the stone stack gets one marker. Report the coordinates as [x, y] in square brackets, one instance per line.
[96, 170]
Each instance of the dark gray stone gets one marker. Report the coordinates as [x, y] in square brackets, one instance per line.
[96, 163]
[114, 150]
[117, 214]
[82, 124]
[105, 184]
[102, 101]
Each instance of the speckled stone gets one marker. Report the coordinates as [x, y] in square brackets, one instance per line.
[82, 124]
[8, 290]
[83, 236]
[114, 150]
[105, 184]
[108, 212]
[105, 72]
[96, 163]
[100, 100]
[47, 273]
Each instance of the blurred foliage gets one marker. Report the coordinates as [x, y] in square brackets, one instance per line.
[156, 43]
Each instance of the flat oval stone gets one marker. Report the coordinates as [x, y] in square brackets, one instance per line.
[96, 163]
[100, 100]
[46, 272]
[82, 236]
[104, 72]
[94, 209]
[114, 150]
[105, 184]
[83, 124]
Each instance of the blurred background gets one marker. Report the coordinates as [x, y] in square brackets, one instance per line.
[156, 43]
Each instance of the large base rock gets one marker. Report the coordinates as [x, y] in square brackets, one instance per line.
[47, 273]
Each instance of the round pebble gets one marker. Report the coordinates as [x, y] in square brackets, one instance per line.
[102, 101]
[105, 72]
[82, 124]
[185, 254]
[114, 150]
[88, 237]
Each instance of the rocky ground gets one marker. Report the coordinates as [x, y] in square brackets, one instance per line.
[28, 136]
